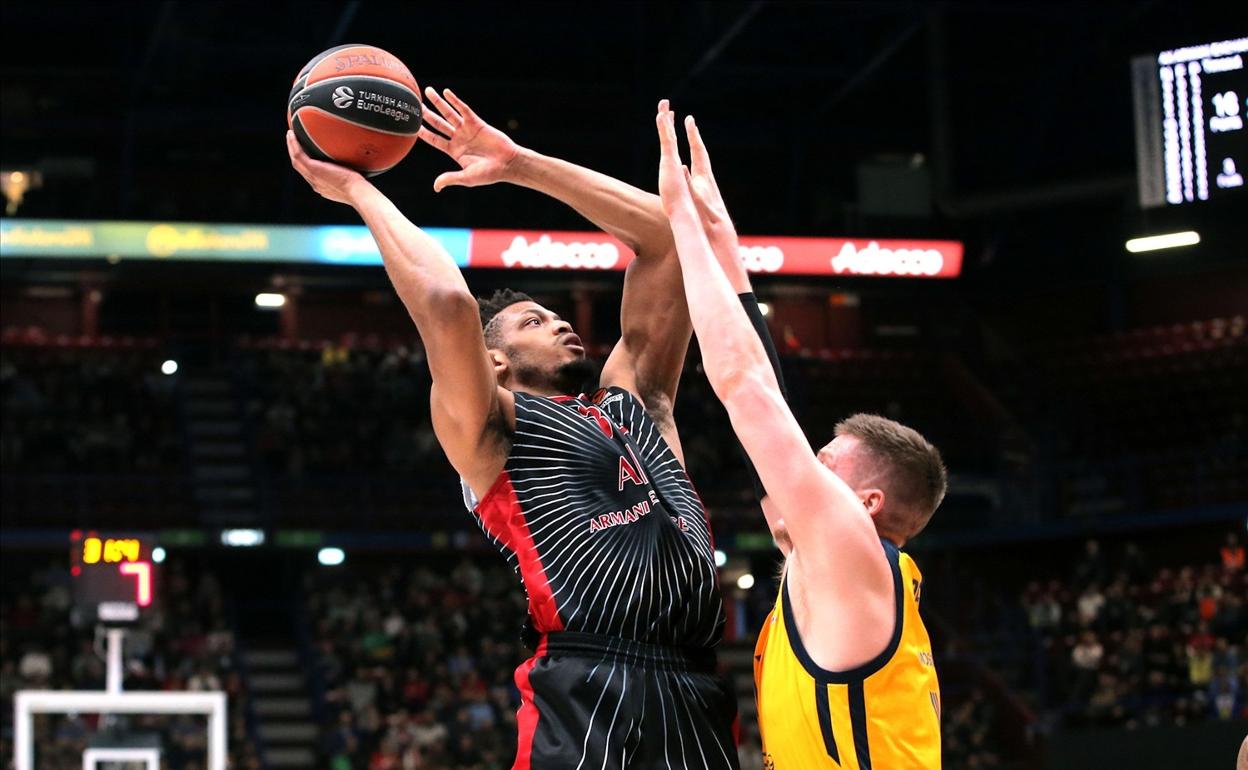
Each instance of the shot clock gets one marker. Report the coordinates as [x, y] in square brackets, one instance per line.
[113, 576]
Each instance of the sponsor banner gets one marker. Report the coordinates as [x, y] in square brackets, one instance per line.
[505, 249]
[67, 239]
[548, 250]
[354, 245]
[852, 257]
[567, 250]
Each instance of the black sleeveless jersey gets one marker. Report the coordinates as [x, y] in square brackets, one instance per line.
[596, 515]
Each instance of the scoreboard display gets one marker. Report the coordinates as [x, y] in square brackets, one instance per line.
[113, 577]
[1190, 140]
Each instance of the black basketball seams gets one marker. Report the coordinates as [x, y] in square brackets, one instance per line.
[300, 82]
[305, 141]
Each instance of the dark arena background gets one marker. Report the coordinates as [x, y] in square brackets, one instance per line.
[219, 476]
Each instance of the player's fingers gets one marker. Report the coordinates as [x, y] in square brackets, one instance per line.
[698, 188]
[702, 200]
[432, 118]
[428, 137]
[667, 140]
[667, 132]
[451, 179]
[460, 104]
[698, 156]
[691, 182]
[448, 112]
[298, 158]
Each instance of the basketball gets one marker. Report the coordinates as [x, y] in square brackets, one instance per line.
[355, 105]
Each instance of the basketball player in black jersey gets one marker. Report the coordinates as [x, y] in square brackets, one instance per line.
[586, 496]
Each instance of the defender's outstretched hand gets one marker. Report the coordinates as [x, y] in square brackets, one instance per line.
[704, 199]
[483, 152]
[337, 183]
[673, 176]
[706, 196]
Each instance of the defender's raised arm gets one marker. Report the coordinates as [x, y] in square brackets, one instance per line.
[841, 550]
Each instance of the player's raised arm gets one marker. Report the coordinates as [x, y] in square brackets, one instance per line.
[654, 323]
[465, 393]
[833, 538]
[722, 236]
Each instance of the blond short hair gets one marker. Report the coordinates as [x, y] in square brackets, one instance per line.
[915, 478]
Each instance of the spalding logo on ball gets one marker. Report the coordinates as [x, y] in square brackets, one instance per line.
[355, 105]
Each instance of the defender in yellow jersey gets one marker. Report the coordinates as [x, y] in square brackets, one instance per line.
[883, 714]
[843, 667]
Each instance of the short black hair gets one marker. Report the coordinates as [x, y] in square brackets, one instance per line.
[490, 308]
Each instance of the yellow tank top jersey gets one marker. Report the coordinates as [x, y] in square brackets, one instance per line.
[884, 714]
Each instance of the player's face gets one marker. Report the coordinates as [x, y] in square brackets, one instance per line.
[839, 457]
[848, 459]
[541, 349]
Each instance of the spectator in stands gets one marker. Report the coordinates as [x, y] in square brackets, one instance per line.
[35, 666]
[1181, 607]
[343, 742]
[1207, 595]
[967, 731]
[428, 734]
[1104, 705]
[204, 679]
[1199, 663]
[1134, 563]
[1226, 654]
[1086, 657]
[1091, 568]
[1199, 638]
[1044, 612]
[1116, 614]
[1090, 603]
[1232, 554]
[1128, 662]
[1224, 696]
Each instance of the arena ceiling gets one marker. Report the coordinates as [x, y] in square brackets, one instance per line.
[1019, 113]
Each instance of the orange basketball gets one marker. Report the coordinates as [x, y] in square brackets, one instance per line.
[355, 105]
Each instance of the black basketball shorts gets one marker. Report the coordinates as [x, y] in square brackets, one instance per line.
[591, 701]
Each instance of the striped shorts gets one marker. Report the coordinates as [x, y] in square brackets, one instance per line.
[605, 703]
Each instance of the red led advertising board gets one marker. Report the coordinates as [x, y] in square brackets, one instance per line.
[778, 255]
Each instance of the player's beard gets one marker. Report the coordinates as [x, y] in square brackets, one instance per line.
[570, 378]
[576, 376]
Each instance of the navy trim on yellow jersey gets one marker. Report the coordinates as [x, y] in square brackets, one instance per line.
[825, 722]
[858, 721]
[870, 667]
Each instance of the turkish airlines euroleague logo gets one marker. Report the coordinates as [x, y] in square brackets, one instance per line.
[343, 96]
